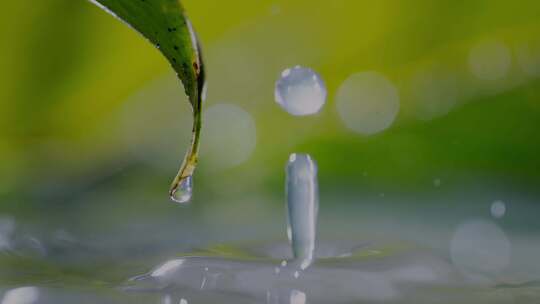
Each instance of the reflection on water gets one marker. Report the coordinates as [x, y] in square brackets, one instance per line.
[480, 246]
[21, 295]
[465, 256]
[387, 276]
[365, 269]
[332, 272]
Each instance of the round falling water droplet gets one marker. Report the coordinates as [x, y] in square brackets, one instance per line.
[498, 209]
[182, 194]
[300, 91]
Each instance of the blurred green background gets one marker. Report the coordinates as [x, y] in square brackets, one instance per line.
[94, 124]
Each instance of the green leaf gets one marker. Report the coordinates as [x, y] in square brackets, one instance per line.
[164, 24]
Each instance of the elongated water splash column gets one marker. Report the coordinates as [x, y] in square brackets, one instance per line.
[302, 193]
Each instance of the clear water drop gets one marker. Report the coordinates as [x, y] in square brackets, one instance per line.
[300, 91]
[182, 194]
[498, 209]
[302, 207]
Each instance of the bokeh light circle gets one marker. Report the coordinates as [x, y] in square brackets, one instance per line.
[434, 94]
[528, 57]
[490, 60]
[229, 136]
[368, 103]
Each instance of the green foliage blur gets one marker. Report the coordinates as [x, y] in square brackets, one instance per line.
[90, 112]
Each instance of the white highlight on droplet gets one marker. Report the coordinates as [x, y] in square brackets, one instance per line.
[490, 60]
[480, 246]
[298, 297]
[230, 136]
[300, 91]
[498, 209]
[21, 295]
[368, 103]
[305, 264]
[292, 157]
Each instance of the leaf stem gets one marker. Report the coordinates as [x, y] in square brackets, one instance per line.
[192, 155]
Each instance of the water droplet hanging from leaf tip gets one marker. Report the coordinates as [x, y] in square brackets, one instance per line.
[183, 192]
